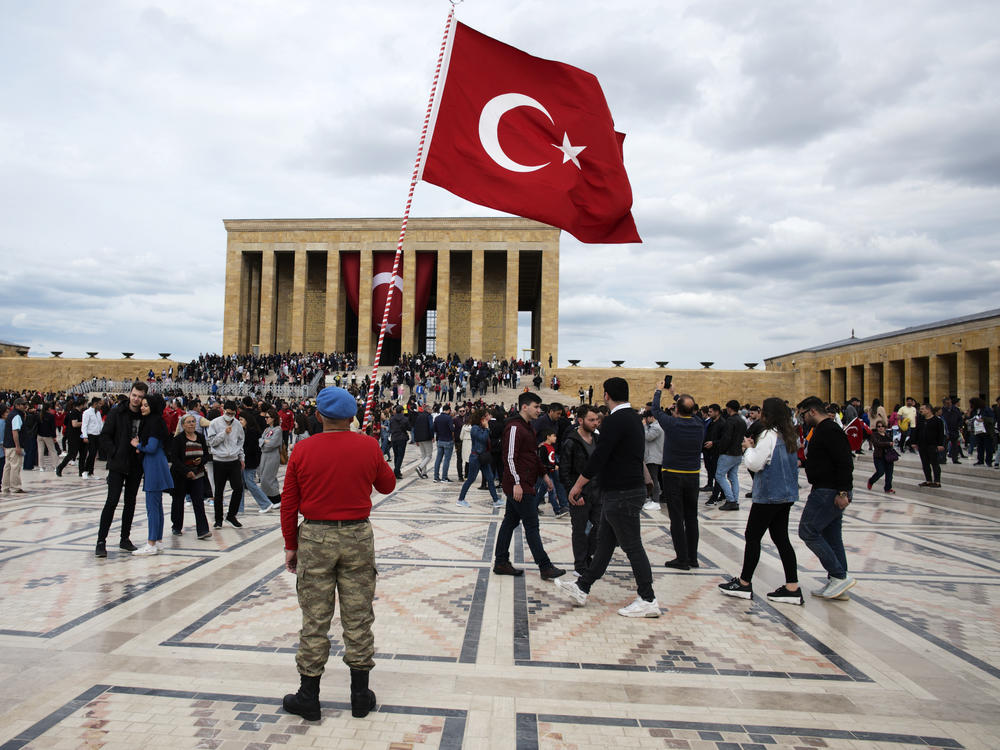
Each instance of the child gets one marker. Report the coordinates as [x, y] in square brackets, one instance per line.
[547, 456]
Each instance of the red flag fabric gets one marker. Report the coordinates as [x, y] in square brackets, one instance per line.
[856, 433]
[382, 275]
[531, 137]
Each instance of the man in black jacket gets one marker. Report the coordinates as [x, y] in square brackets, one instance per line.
[829, 466]
[399, 435]
[730, 455]
[577, 448]
[124, 467]
[930, 445]
[710, 452]
[618, 462]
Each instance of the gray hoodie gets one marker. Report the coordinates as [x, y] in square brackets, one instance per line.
[225, 447]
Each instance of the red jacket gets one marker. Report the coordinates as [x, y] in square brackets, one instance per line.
[519, 454]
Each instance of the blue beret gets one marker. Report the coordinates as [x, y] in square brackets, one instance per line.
[336, 403]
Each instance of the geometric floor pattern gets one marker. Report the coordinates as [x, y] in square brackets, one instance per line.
[193, 648]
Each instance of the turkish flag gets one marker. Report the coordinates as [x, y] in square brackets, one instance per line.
[531, 137]
[856, 433]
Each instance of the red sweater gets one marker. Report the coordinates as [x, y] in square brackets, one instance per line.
[330, 477]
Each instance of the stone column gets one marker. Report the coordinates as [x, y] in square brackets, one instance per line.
[937, 379]
[365, 333]
[267, 302]
[873, 384]
[510, 305]
[477, 293]
[300, 272]
[911, 379]
[838, 385]
[855, 383]
[408, 340]
[548, 340]
[333, 326]
[993, 374]
[233, 316]
[443, 300]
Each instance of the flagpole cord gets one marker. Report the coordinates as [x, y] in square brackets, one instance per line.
[406, 217]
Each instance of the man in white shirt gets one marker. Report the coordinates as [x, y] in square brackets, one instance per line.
[90, 434]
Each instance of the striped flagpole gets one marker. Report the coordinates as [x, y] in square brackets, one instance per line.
[406, 217]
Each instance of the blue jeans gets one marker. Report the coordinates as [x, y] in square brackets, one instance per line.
[820, 528]
[727, 475]
[555, 494]
[154, 516]
[526, 514]
[445, 449]
[251, 486]
[470, 477]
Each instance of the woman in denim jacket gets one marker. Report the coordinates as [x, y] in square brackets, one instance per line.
[480, 459]
[774, 459]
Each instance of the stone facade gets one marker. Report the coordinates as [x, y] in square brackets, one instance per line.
[284, 290]
[959, 357]
[707, 386]
[51, 374]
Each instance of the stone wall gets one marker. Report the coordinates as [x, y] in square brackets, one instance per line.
[51, 374]
[707, 386]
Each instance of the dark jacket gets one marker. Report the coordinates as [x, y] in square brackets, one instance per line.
[444, 428]
[399, 427]
[116, 441]
[713, 433]
[682, 440]
[931, 433]
[829, 460]
[618, 459]
[176, 456]
[519, 453]
[573, 460]
[734, 429]
[422, 427]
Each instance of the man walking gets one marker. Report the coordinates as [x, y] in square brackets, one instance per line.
[684, 436]
[952, 417]
[930, 445]
[124, 466]
[578, 447]
[444, 433]
[521, 469]
[423, 436]
[90, 435]
[73, 421]
[617, 462]
[329, 480]
[399, 435]
[829, 466]
[225, 438]
[12, 448]
[710, 452]
[730, 455]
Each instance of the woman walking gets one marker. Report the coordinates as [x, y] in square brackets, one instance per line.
[188, 454]
[480, 459]
[883, 455]
[774, 461]
[270, 459]
[151, 443]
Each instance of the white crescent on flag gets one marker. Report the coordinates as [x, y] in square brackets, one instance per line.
[385, 278]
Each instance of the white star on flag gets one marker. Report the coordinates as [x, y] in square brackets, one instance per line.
[570, 151]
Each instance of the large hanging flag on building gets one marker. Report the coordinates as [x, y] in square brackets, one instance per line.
[531, 137]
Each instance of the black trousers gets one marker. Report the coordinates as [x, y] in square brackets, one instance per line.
[73, 452]
[116, 483]
[222, 472]
[619, 527]
[398, 451]
[584, 542]
[772, 518]
[93, 445]
[654, 474]
[680, 493]
[711, 464]
[461, 460]
[192, 487]
[930, 461]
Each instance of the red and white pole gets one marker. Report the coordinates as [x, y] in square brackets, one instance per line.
[406, 216]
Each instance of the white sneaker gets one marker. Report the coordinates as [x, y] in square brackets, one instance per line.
[159, 545]
[651, 505]
[571, 590]
[838, 586]
[73, 462]
[268, 509]
[85, 475]
[147, 549]
[641, 608]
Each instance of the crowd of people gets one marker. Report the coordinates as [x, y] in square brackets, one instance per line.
[601, 465]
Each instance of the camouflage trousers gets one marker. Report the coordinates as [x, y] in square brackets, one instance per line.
[335, 561]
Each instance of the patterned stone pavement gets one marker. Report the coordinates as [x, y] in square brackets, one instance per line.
[194, 647]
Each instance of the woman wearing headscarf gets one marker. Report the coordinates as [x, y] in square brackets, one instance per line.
[151, 442]
[270, 459]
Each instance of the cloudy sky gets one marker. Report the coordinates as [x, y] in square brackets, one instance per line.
[799, 169]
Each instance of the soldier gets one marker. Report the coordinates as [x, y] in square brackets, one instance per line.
[329, 480]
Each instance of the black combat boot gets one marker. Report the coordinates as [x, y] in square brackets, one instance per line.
[362, 699]
[305, 702]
